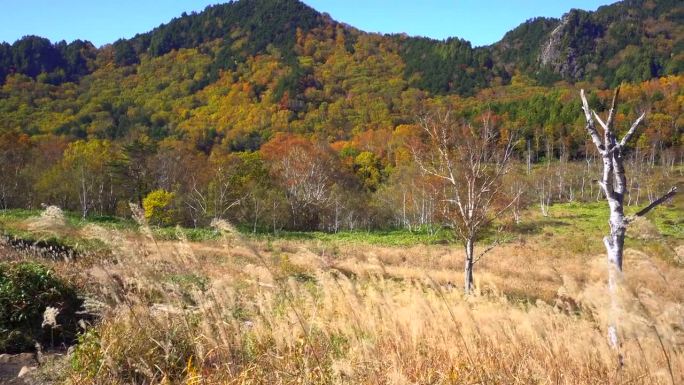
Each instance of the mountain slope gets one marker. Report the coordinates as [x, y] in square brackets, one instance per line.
[238, 73]
[633, 40]
[260, 22]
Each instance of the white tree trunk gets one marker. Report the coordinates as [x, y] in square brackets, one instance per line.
[468, 268]
[615, 248]
[614, 184]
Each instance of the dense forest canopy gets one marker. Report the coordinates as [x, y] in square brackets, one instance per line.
[632, 40]
[199, 110]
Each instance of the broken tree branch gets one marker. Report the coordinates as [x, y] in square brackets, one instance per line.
[492, 246]
[611, 113]
[591, 127]
[653, 204]
[605, 126]
[632, 130]
[487, 250]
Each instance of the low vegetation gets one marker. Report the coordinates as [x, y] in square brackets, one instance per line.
[346, 308]
[27, 291]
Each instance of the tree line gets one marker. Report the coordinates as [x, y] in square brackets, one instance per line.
[294, 181]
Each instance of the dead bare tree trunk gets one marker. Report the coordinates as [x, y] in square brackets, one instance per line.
[613, 184]
[544, 197]
[529, 158]
[517, 191]
[469, 264]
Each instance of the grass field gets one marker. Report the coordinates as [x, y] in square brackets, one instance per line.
[225, 306]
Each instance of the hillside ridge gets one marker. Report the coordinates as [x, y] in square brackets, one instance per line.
[631, 40]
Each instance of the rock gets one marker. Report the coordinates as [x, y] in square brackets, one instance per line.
[26, 370]
[679, 250]
[13, 358]
[39, 354]
[559, 53]
[551, 51]
[11, 364]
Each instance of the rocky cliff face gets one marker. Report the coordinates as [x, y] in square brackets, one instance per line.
[574, 37]
[560, 59]
[631, 40]
[551, 51]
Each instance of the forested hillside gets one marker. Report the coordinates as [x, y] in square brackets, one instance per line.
[203, 108]
[630, 41]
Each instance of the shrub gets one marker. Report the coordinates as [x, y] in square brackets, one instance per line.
[135, 347]
[158, 207]
[26, 290]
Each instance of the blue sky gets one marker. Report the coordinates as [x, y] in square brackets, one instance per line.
[482, 22]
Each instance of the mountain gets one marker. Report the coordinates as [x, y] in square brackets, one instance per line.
[260, 22]
[632, 40]
[35, 56]
[238, 73]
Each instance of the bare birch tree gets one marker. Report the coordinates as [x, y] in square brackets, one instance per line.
[471, 162]
[614, 185]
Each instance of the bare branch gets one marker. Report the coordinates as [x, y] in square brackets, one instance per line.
[430, 171]
[632, 130]
[606, 127]
[230, 206]
[590, 124]
[611, 113]
[653, 204]
[487, 250]
[492, 246]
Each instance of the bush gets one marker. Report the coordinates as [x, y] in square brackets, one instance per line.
[136, 347]
[26, 290]
[158, 207]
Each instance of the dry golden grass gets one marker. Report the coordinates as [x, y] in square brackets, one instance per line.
[243, 312]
